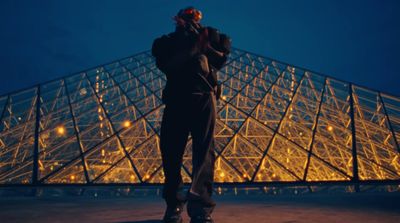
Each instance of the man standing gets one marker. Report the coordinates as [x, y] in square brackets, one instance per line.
[190, 58]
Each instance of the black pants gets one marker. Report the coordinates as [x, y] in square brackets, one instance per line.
[196, 114]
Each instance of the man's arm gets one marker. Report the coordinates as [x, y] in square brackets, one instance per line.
[218, 49]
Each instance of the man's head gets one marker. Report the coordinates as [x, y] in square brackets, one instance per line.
[188, 15]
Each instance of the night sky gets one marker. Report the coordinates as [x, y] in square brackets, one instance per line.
[357, 41]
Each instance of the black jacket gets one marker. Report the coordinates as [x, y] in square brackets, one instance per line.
[187, 67]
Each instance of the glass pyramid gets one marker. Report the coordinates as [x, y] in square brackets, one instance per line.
[276, 123]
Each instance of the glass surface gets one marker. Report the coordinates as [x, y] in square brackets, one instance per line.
[275, 123]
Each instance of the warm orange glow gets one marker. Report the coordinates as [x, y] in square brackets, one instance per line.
[197, 16]
[61, 130]
[127, 124]
[264, 108]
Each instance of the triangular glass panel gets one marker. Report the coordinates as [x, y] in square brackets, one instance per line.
[223, 172]
[69, 174]
[232, 117]
[320, 171]
[272, 171]
[147, 157]
[256, 133]
[291, 156]
[122, 172]
[101, 157]
[243, 155]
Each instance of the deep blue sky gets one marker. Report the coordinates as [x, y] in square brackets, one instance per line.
[357, 41]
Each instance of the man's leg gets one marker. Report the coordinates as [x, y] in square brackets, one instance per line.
[202, 127]
[173, 139]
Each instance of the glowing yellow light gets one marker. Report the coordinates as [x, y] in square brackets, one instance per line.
[103, 152]
[72, 177]
[132, 176]
[147, 176]
[330, 128]
[127, 124]
[61, 130]
[223, 97]
[244, 175]
[273, 175]
[222, 174]
[259, 175]
[104, 161]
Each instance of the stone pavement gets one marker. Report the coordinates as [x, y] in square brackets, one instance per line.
[253, 208]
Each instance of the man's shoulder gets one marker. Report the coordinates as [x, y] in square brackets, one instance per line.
[164, 37]
[162, 44]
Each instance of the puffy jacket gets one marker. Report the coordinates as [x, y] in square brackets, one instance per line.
[188, 67]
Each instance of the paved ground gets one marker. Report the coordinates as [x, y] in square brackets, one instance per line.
[308, 208]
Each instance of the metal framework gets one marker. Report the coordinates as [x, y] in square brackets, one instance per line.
[277, 124]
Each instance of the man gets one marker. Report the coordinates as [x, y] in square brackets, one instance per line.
[190, 58]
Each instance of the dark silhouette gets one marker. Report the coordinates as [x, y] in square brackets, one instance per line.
[190, 58]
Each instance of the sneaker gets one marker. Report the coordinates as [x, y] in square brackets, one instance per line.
[173, 215]
[202, 219]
